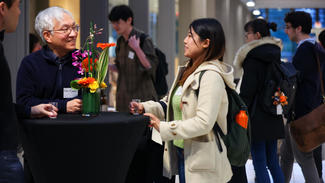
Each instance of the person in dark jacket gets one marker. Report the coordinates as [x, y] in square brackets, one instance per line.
[253, 58]
[10, 168]
[308, 94]
[44, 76]
[321, 38]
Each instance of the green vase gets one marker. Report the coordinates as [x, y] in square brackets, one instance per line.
[90, 102]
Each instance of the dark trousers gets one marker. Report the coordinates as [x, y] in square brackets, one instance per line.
[11, 171]
[318, 160]
[239, 174]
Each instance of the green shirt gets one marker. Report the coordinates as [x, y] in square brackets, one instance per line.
[176, 104]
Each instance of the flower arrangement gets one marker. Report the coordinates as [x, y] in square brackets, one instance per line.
[280, 98]
[91, 63]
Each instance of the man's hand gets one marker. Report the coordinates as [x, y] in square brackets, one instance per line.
[74, 105]
[42, 110]
[134, 42]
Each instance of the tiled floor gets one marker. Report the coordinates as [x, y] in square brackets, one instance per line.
[297, 176]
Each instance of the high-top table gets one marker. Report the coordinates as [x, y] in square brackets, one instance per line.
[76, 149]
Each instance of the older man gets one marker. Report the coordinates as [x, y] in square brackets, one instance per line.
[44, 76]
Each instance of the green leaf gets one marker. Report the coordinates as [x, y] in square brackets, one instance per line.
[103, 65]
[74, 84]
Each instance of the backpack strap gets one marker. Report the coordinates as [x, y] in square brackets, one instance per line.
[143, 36]
[216, 127]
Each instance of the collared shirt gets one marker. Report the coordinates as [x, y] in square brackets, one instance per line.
[311, 40]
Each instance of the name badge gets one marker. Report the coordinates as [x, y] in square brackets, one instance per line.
[279, 109]
[69, 93]
[179, 91]
[131, 55]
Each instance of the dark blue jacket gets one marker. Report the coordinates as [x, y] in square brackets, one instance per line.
[9, 111]
[42, 76]
[308, 95]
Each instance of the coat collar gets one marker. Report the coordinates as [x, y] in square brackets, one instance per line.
[246, 48]
[225, 70]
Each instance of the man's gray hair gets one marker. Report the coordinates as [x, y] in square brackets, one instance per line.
[44, 19]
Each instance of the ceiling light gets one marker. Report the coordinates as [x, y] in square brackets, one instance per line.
[250, 4]
[256, 12]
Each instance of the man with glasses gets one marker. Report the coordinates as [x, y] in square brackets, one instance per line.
[308, 95]
[44, 76]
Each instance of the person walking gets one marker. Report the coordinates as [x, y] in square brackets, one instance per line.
[259, 52]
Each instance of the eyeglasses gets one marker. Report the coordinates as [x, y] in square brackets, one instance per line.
[67, 30]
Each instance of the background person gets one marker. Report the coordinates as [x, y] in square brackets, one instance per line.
[190, 143]
[34, 43]
[10, 168]
[308, 94]
[136, 66]
[254, 58]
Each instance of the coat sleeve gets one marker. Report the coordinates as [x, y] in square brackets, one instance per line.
[156, 108]
[209, 102]
[149, 50]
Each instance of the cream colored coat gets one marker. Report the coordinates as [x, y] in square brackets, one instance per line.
[203, 161]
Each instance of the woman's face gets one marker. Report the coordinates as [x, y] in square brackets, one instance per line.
[193, 46]
[251, 36]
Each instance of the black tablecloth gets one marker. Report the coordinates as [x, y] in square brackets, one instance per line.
[76, 149]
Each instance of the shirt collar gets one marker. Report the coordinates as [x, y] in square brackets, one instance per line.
[311, 40]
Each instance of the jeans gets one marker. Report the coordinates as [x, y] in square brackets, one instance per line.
[11, 170]
[264, 155]
[181, 168]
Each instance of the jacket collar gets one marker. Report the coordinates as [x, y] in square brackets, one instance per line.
[50, 56]
[225, 71]
[246, 48]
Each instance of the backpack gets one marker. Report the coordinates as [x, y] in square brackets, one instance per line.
[279, 87]
[238, 138]
[160, 82]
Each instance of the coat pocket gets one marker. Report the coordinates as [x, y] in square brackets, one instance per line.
[202, 156]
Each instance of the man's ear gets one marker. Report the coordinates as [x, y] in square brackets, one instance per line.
[299, 28]
[2, 8]
[47, 36]
[258, 35]
[206, 43]
[129, 20]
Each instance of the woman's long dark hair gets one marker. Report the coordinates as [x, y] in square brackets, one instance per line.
[206, 28]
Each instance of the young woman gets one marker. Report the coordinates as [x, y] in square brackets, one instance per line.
[253, 57]
[190, 144]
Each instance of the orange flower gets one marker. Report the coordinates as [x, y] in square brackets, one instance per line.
[85, 64]
[283, 99]
[105, 45]
[242, 119]
[86, 81]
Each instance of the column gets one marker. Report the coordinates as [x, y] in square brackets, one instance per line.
[140, 10]
[166, 35]
[97, 12]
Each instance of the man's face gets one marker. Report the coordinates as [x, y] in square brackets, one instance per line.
[11, 16]
[121, 26]
[291, 32]
[64, 34]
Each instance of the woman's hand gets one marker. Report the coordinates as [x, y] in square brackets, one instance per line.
[154, 121]
[136, 107]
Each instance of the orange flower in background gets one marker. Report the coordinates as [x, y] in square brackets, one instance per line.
[85, 63]
[105, 45]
